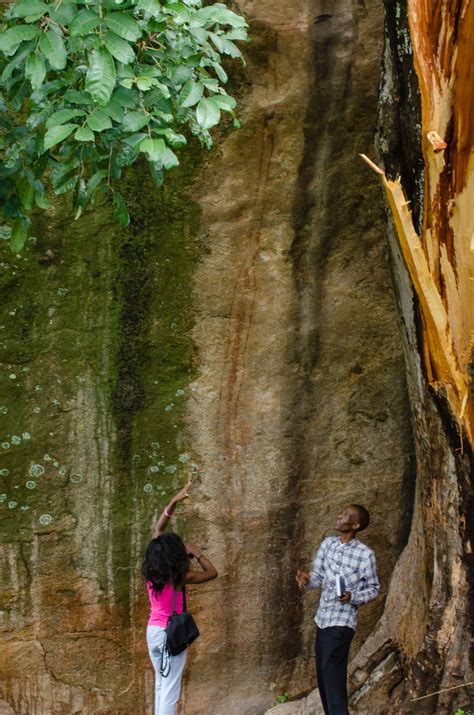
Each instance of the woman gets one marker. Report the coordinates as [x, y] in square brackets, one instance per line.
[166, 568]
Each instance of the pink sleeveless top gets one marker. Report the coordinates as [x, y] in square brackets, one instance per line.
[160, 604]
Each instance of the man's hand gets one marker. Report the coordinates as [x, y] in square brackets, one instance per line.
[183, 493]
[346, 597]
[302, 578]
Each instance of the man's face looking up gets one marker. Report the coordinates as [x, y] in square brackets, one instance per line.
[347, 520]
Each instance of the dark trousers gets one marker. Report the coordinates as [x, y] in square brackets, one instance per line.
[332, 654]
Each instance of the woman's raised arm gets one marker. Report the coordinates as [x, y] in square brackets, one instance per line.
[208, 570]
[162, 522]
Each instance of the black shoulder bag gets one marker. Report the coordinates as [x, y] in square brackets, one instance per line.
[181, 630]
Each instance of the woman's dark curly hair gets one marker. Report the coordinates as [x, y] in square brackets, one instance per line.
[166, 561]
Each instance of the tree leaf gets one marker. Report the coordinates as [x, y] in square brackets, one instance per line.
[72, 95]
[17, 100]
[225, 102]
[180, 74]
[127, 98]
[41, 199]
[153, 148]
[52, 46]
[217, 13]
[14, 35]
[121, 214]
[208, 113]
[35, 70]
[19, 235]
[123, 25]
[134, 121]
[228, 48]
[26, 8]
[34, 120]
[220, 72]
[19, 58]
[152, 7]
[211, 83]
[80, 197]
[119, 48]
[95, 180]
[238, 34]
[62, 116]
[101, 76]
[84, 134]
[65, 182]
[157, 173]
[26, 193]
[114, 110]
[173, 138]
[135, 139]
[57, 134]
[65, 13]
[145, 83]
[84, 22]
[127, 155]
[98, 120]
[200, 35]
[191, 93]
[179, 11]
[217, 40]
[169, 159]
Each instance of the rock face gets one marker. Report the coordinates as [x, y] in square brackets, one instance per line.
[248, 335]
[292, 388]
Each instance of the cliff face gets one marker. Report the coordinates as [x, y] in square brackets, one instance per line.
[243, 330]
[300, 405]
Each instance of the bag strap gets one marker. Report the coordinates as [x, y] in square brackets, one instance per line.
[165, 664]
[174, 600]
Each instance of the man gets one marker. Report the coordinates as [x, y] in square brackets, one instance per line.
[346, 557]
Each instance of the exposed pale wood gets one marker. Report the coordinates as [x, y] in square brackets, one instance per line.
[441, 259]
[444, 370]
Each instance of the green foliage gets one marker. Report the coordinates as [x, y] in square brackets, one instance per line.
[86, 86]
[283, 698]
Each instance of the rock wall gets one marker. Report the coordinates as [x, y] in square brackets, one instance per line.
[247, 335]
[301, 402]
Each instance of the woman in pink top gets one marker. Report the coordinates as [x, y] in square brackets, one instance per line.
[167, 567]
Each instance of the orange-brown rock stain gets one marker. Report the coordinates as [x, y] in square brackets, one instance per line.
[242, 306]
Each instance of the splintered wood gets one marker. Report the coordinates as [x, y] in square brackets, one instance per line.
[441, 260]
[444, 369]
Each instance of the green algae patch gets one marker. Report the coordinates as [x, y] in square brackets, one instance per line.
[48, 344]
[96, 359]
[23, 340]
[155, 360]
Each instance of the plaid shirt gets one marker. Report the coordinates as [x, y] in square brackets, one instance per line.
[355, 562]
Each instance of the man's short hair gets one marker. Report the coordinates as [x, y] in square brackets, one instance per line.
[364, 516]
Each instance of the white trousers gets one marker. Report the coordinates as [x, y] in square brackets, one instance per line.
[167, 689]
